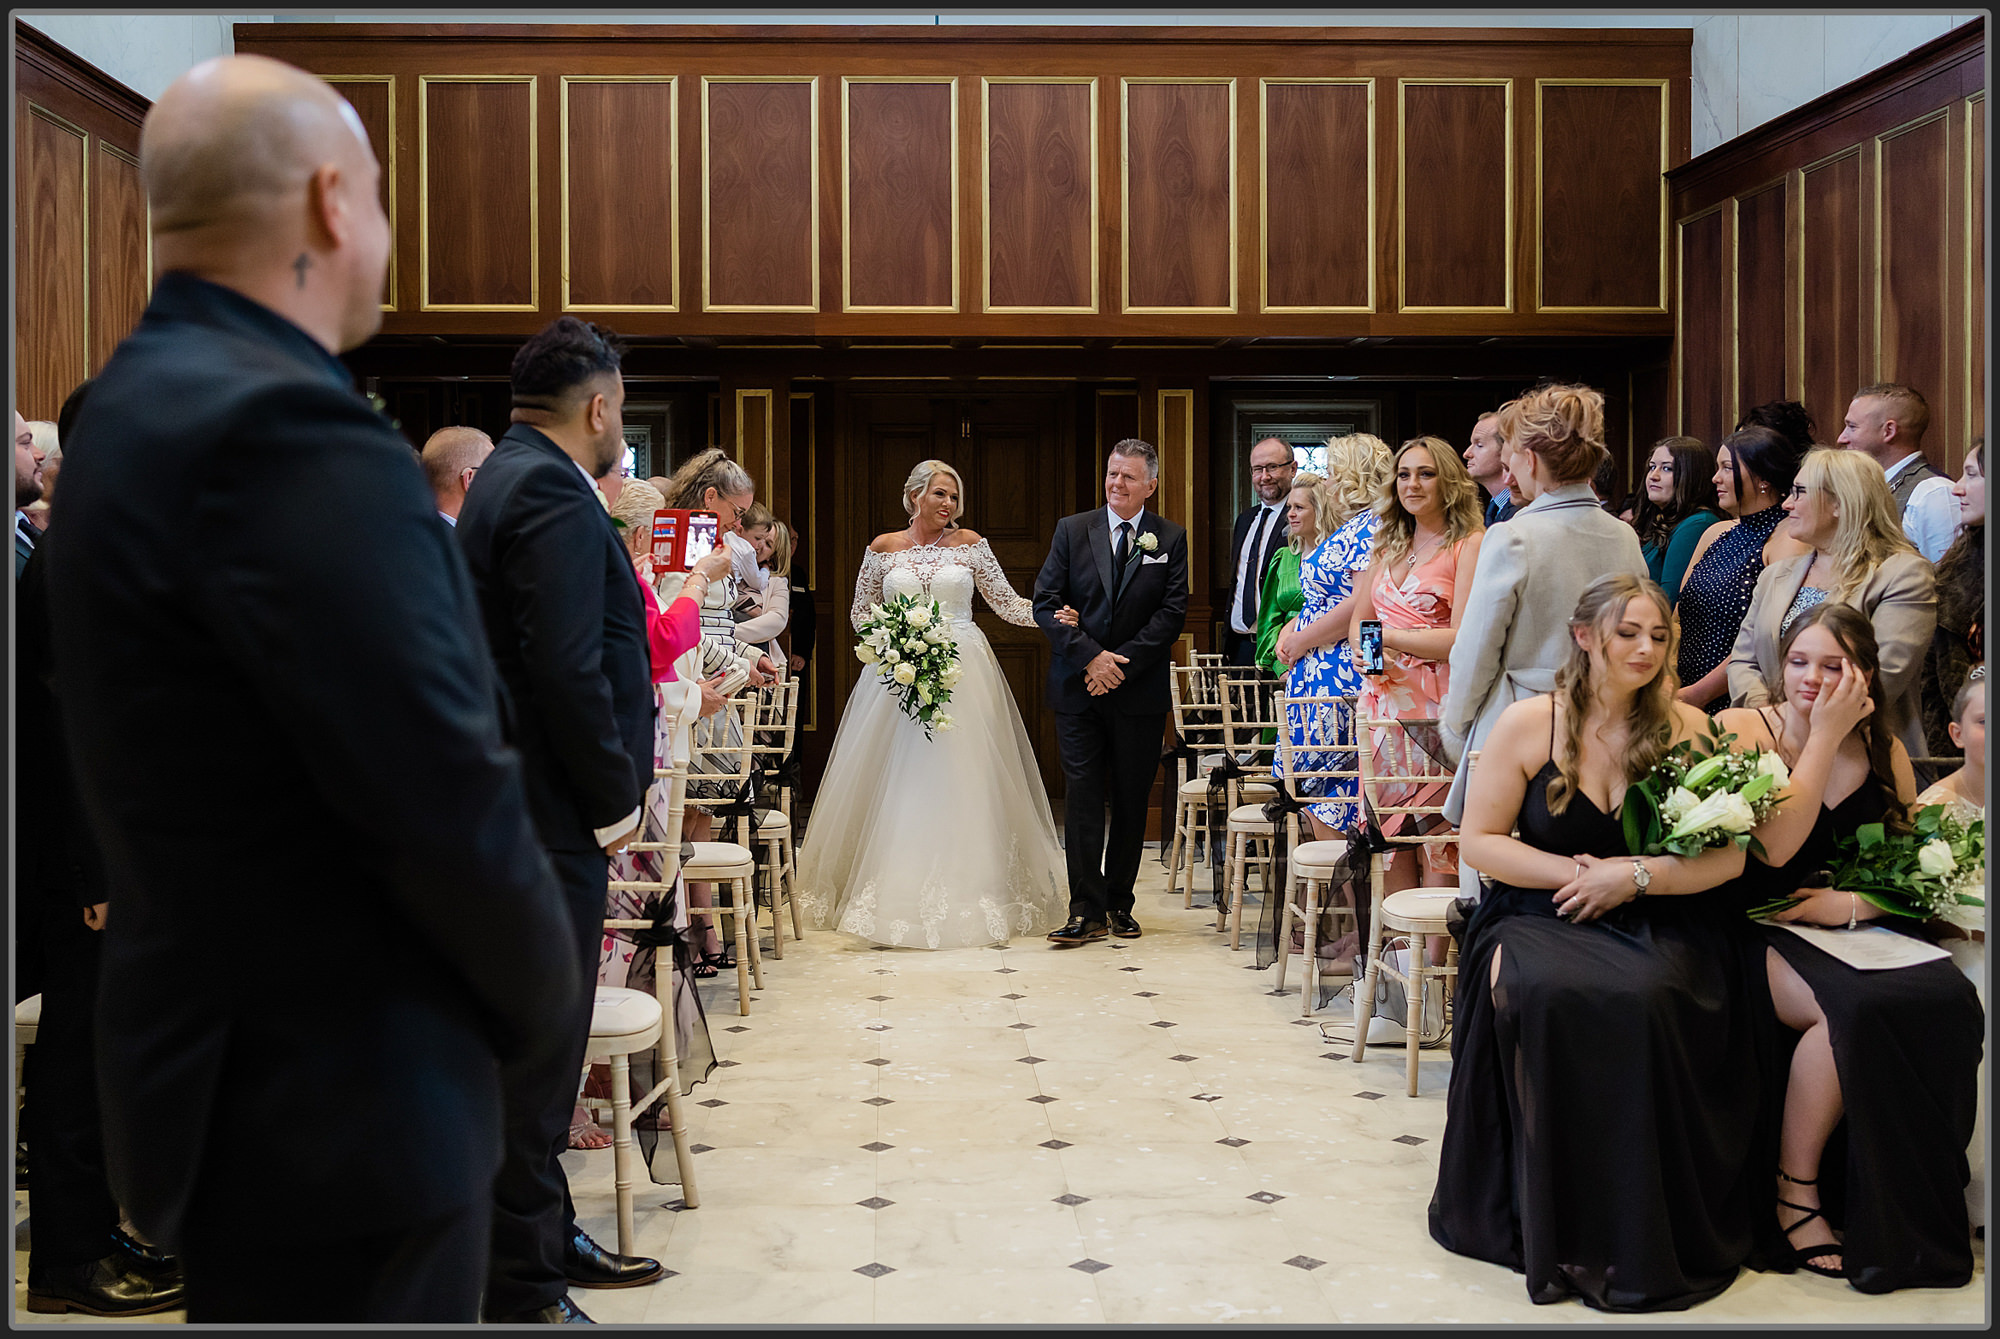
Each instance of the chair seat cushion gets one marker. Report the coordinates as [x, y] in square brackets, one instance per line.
[1250, 818]
[1419, 908]
[1197, 790]
[1318, 856]
[717, 858]
[773, 822]
[622, 1021]
[28, 1013]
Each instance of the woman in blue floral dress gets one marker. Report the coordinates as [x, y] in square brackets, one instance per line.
[1314, 645]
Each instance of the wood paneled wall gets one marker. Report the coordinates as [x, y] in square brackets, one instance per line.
[82, 257]
[995, 182]
[1843, 244]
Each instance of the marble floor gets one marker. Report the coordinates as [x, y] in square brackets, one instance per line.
[1125, 1132]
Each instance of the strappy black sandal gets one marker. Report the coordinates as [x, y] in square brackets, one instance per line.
[1802, 1257]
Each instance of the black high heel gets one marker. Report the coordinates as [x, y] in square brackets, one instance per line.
[1802, 1257]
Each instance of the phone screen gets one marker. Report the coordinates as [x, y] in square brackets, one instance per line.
[701, 538]
[1371, 646]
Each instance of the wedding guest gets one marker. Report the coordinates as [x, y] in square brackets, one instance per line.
[568, 632]
[1960, 639]
[1530, 570]
[1483, 461]
[1426, 551]
[1258, 534]
[451, 460]
[1315, 643]
[50, 444]
[765, 618]
[1283, 597]
[1754, 468]
[1675, 509]
[801, 629]
[1604, 483]
[1883, 1207]
[1597, 991]
[258, 624]
[1841, 508]
[1886, 423]
[27, 490]
[1963, 795]
[711, 481]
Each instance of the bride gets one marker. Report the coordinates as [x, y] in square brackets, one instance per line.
[944, 842]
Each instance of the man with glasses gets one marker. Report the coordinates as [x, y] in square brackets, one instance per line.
[451, 457]
[1259, 531]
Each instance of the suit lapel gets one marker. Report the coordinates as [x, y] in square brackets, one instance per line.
[1100, 545]
[1139, 528]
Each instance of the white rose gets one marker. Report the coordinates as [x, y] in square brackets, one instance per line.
[866, 654]
[1679, 800]
[1771, 765]
[1737, 816]
[943, 723]
[892, 656]
[1149, 541]
[919, 616]
[914, 646]
[1935, 859]
[905, 675]
[951, 675]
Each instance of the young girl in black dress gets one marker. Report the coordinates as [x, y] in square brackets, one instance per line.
[1612, 1023]
[1882, 1087]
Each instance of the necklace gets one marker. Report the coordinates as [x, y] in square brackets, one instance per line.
[1416, 551]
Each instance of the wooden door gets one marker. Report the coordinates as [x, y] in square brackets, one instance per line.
[1015, 453]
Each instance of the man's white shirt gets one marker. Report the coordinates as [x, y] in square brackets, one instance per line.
[1931, 518]
[1259, 533]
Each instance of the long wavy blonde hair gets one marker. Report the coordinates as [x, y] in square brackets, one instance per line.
[1318, 502]
[1356, 466]
[1867, 531]
[1651, 719]
[1456, 491]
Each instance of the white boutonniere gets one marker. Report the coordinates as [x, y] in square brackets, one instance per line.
[1149, 542]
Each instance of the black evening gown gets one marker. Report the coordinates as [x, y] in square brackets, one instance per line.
[1906, 1044]
[1608, 1097]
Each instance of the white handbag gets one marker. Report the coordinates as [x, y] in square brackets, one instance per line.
[1392, 1004]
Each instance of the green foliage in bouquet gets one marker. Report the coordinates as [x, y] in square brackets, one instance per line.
[1927, 873]
[1698, 799]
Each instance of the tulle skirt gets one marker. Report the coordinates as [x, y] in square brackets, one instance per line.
[944, 842]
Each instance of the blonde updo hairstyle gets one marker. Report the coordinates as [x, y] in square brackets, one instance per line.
[1867, 531]
[637, 501]
[1563, 425]
[919, 483]
[1651, 720]
[1357, 466]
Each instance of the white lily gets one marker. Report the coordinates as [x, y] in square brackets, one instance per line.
[1723, 811]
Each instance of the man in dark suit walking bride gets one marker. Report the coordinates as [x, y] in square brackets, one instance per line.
[1124, 572]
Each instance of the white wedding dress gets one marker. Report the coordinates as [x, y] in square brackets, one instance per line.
[943, 842]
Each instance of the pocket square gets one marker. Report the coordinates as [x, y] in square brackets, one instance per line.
[1150, 561]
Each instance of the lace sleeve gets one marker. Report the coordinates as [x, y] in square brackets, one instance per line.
[867, 586]
[992, 581]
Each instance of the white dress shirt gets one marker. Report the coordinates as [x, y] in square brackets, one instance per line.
[1259, 532]
[1931, 518]
[449, 519]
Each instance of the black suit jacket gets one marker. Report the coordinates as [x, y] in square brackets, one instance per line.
[567, 626]
[1274, 539]
[330, 910]
[1143, 625]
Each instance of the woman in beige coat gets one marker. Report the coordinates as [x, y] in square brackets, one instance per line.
[1840, 505]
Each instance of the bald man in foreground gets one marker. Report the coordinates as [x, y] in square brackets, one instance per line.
[332, 921]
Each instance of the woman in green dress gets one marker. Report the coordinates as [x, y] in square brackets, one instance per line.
[1677, 507]
[1283, 597]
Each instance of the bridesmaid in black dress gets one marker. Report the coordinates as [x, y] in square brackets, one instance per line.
[1612, 1019]
[1883, 1081]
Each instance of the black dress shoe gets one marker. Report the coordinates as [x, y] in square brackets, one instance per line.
[1078, 931]
[146, 1258]
[562, 1311]
[1123, 925]
[107, 1287]
[588, 1265]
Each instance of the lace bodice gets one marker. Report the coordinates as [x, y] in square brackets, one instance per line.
[947, 575]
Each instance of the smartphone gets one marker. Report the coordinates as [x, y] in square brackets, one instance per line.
[1371, 646]
[683, 538]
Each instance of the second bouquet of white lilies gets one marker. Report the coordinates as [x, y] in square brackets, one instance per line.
[914, 656]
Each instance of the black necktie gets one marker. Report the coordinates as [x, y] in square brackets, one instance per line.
[1123, 553]
[1253, 571]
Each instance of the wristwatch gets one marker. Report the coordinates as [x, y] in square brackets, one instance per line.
[1642, 878]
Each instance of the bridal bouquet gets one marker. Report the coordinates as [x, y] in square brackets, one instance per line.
[915, 655]
[1934, 871]
[1695, 801]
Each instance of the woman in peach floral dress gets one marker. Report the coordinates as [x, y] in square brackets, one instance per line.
[1425, 550]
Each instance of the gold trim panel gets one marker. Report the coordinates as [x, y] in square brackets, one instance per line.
[847, 82]
[986, 83]
[389, 168]
[84, 137]
[1402, 191]
[1186, 447]
[673, 189]
[1125, 194]
[770, 430]
[131, 161]
[811, 81]
[1941, 114]
[1666, 107]
[1264, 192]
[424, 303]
[1973, 242]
